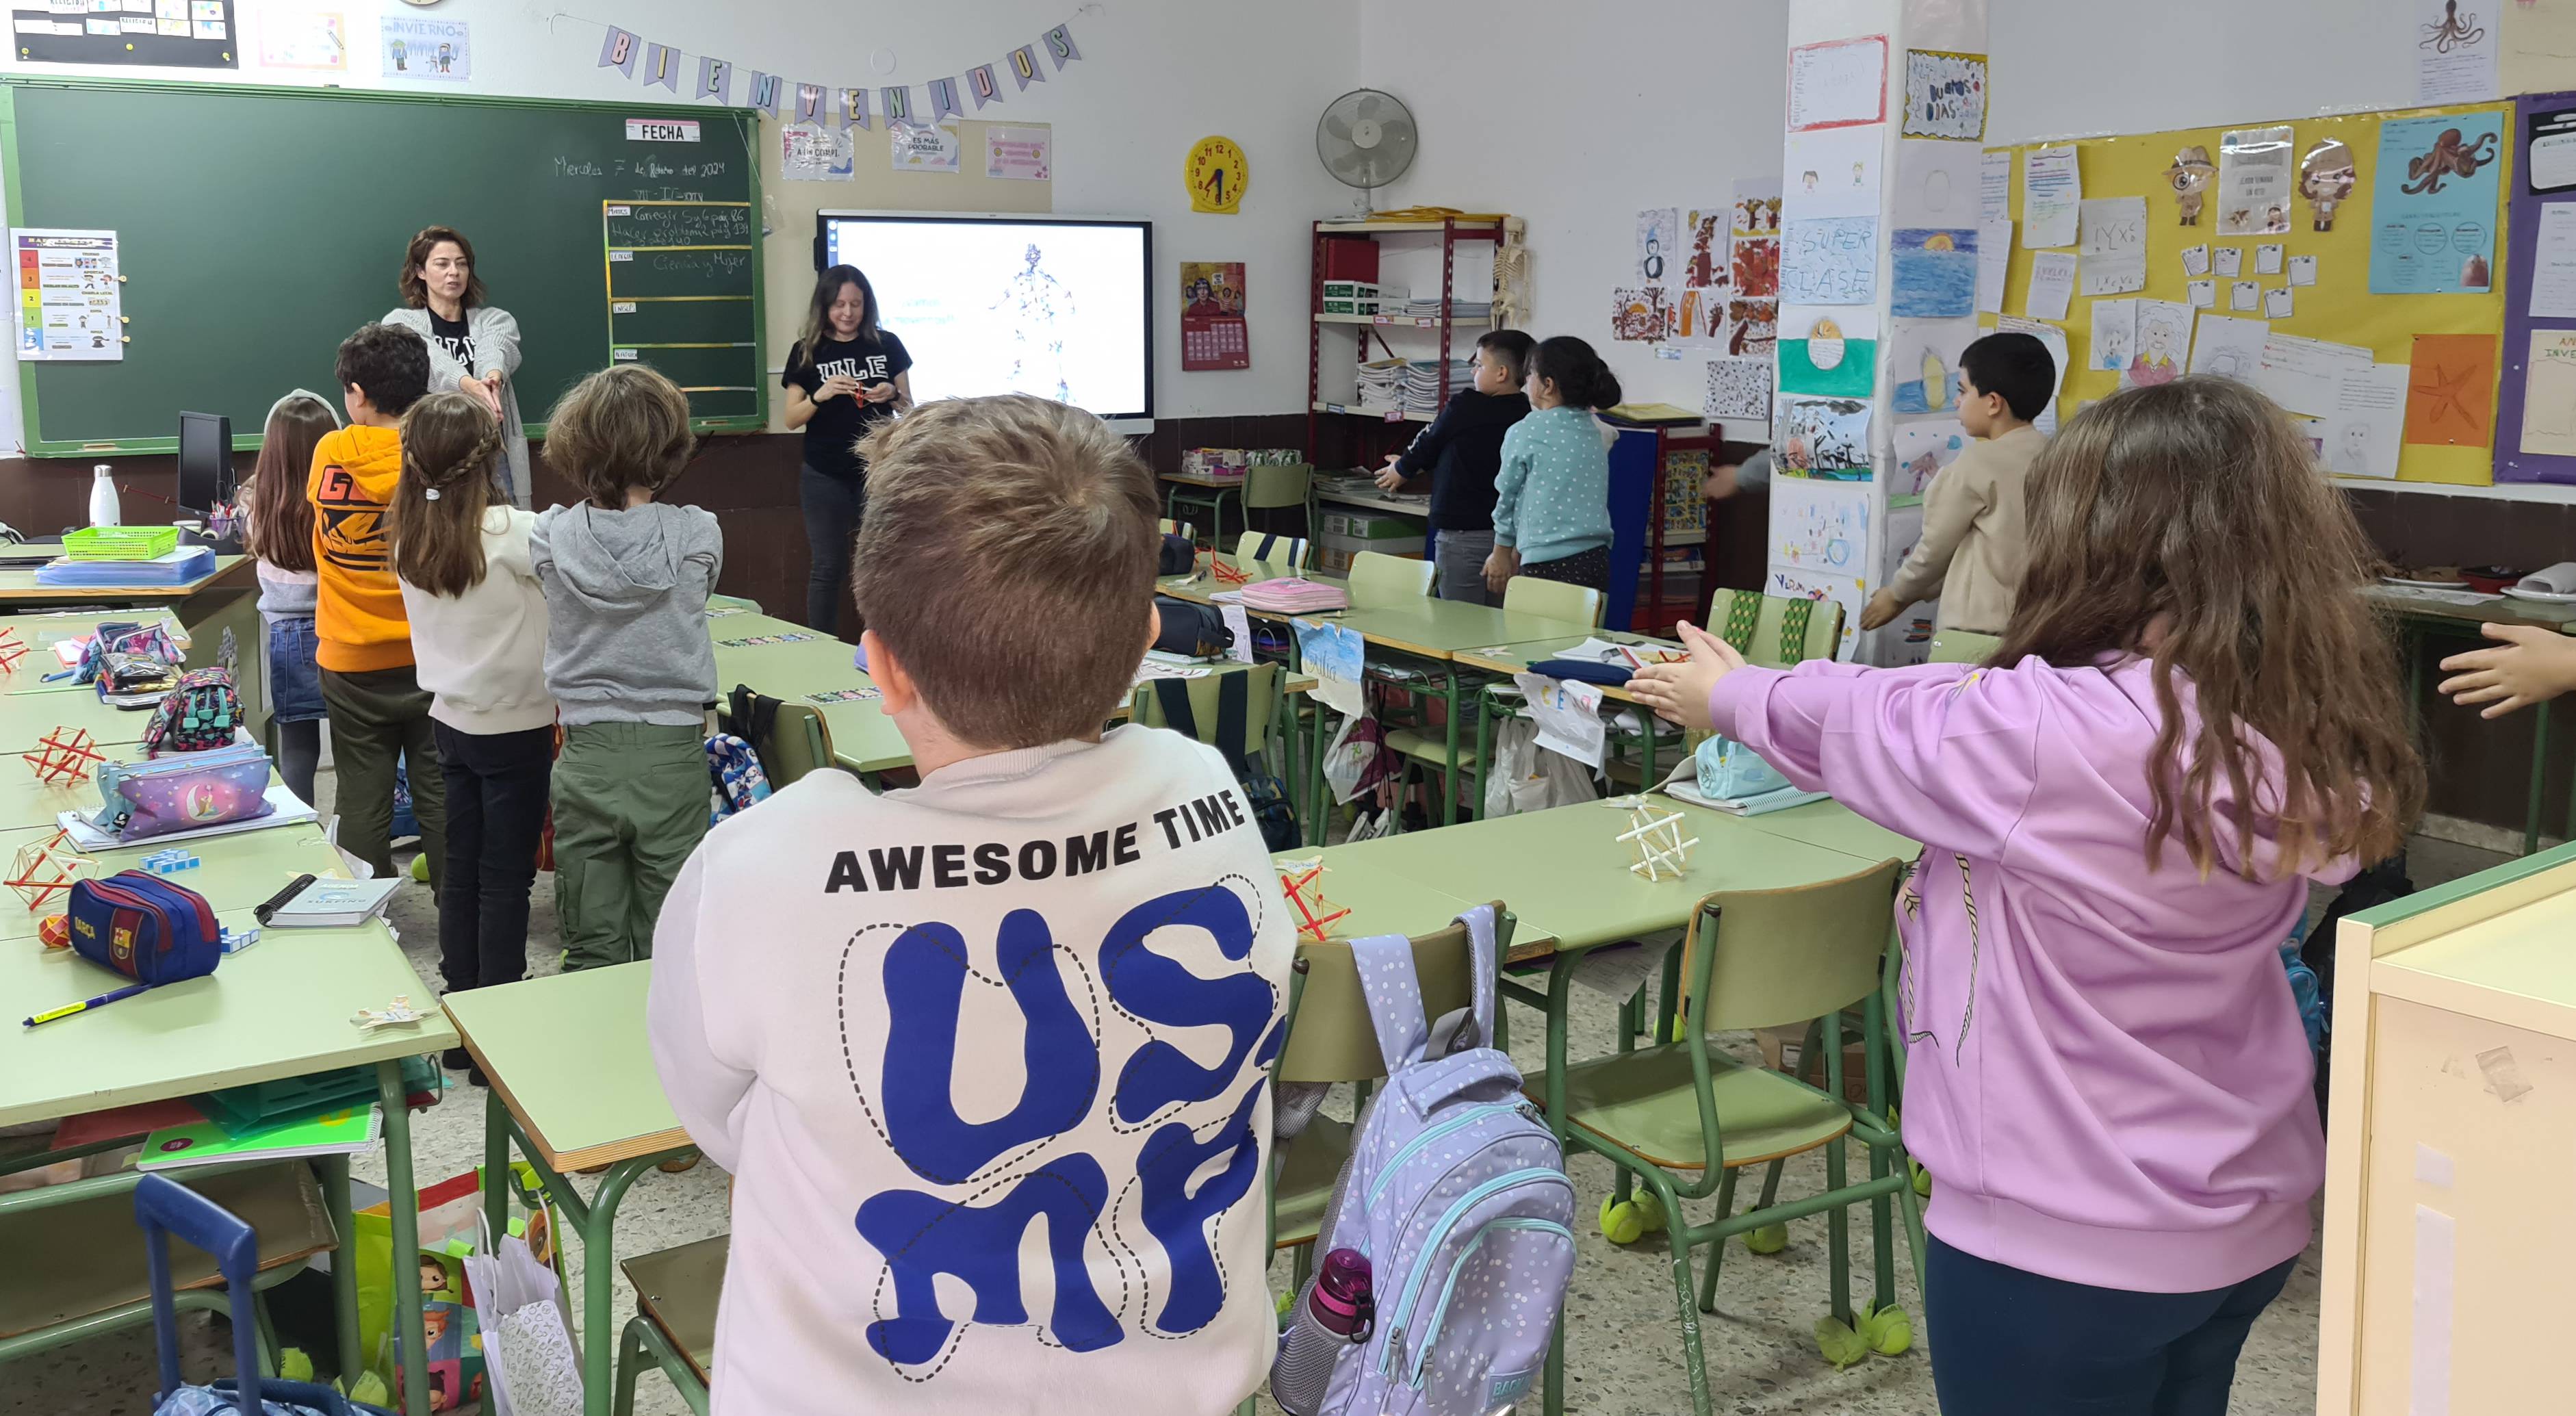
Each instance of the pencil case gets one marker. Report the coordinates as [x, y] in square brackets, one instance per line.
[186, 792]
[145, 928]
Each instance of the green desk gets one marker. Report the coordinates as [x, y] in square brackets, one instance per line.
[2421, 620]
[864, 739]
[239, 872]
[1835, 827]
[1381, 901]
[19, 590]
[573, 1085]
[224, 628]
[280, 1010]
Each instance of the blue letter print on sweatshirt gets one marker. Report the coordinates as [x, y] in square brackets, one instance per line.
[1156, 1137]
[923, 1236]
[925, 978]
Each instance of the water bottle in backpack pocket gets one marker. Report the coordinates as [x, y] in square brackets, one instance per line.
[1456, 1195]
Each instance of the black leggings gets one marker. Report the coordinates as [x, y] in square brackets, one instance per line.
[496, 816]
[832, 511]
[1587, 568]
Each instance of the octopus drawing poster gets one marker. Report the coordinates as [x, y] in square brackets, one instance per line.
[2434, 204]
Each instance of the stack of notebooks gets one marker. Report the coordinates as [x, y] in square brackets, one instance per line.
[1421, 392]
[1428, 307]
[1294, 595]
[1381, 385]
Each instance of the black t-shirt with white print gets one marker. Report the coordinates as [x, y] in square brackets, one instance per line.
[455, 337]
[840, 421]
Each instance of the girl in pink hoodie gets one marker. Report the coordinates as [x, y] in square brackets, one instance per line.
[2193, 713]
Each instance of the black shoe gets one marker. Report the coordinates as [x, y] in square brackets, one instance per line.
[474, 1077]
[456, 1059]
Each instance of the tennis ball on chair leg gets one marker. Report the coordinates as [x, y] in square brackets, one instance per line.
[1769, 1239]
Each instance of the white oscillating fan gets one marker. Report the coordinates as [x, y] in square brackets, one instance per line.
[1366, 139]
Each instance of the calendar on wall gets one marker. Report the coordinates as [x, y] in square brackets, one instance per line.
[1213, 334]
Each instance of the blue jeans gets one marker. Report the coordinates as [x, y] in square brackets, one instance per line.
[294, 683]
[2009, 1343]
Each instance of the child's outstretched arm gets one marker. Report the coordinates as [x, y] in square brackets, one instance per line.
[2533, 663]
[706, 1091]
[1940, 759]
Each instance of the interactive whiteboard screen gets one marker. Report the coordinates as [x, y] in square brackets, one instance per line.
[1011, 304]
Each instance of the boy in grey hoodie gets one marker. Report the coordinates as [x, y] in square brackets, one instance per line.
[627, 658]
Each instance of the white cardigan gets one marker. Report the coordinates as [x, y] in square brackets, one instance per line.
[496, 350]
[482, 654]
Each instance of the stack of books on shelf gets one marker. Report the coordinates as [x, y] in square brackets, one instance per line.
[1428, 307]
[1421, 392]
[1381, 385]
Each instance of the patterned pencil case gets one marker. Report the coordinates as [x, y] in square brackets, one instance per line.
[183, 792]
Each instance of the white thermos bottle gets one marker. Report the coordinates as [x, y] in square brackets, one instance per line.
[102, 496]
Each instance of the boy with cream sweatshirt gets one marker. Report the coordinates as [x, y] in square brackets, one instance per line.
[1015, 1017]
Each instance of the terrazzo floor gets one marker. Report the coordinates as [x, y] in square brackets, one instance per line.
[1624, 1354]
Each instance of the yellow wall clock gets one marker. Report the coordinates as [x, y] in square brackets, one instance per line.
[1216, 173]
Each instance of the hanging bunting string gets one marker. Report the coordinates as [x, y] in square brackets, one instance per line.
[649, 62]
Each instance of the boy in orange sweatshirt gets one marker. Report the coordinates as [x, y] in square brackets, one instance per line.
[379, 713]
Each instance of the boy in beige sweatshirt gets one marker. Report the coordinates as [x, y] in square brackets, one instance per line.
[1973, 546]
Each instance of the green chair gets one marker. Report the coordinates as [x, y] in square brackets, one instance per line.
[675, 1320]
[1552, 599]
[1772, 630]
[1204, 717]
[1278, 555]
[1958, 646]
[1330, 1041]
[76, 1266]
[1755, 959]
[1381, 579]
[1181, 529]
[794, 741]
[1276, 486]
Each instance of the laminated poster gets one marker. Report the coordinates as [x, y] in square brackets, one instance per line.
[2433, 205]
[2256, 173]
[70, 305]
[1213, 333]
[438, 50]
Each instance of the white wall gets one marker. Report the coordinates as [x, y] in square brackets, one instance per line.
[1574, 120]
[1155, 76]
[2068, 68]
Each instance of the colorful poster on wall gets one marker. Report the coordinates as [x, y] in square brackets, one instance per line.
[1659, 246]
[1926, 360]
[814, 152]
[1823, 357]
[1824, 437]
[1739, 389]
[1820, 526]
[1838, 83]
[2433, 205]
[1933, 273]
[1923, 447]
[2450, 398]
[1213, 334]
[1945, 95]
[304, 39]
[1752, 327]
[2536, 392]
[2255, 173]
[1832, 261]
[1643, 314]
[1704, 247]
[438, 50]
[70, 305]
[923, 147]
[1019, 154]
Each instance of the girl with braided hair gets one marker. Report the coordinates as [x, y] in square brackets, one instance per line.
[478, 630]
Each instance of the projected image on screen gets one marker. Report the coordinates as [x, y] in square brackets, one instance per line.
[1055, 309]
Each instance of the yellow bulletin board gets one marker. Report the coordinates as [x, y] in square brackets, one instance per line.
[2338, 308]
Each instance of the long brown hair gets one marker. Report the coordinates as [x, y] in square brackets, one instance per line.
[818, 311]
[436, 519]
[625, 426]
[2195, 504]
[415, 291]
[281, 518]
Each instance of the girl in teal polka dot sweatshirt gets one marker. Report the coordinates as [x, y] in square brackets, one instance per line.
[1552, 506]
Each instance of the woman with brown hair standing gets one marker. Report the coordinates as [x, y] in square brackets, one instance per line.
[473, 347]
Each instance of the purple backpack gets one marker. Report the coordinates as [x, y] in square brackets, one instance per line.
[1457, 1195]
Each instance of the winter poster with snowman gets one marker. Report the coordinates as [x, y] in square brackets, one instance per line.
[438, 51]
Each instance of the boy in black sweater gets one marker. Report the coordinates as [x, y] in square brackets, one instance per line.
[1459, 456]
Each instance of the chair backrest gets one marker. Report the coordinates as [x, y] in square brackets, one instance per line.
[1181, 529]
[1378, 578]
[1261, 696]
[1772, 635]
[1552, 599]
[1791, 955]
[1330, 1038]
[1958, 646]
[1281, 555]
[1276, 485]
[799, 742]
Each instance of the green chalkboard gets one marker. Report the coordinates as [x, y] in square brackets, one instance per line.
[258, 226]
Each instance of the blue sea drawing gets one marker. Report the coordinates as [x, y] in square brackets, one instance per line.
[1934, 273]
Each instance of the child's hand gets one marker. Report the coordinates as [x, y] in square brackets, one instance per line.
[2534, 663]
[1719, 484]
[1881, 608]
[1388, 479]
[1500, 566]
[1680, 691]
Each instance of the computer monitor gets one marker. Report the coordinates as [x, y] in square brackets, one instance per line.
[205, 461]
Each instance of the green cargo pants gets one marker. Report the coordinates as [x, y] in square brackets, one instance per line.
[378, 716]
[630, 804]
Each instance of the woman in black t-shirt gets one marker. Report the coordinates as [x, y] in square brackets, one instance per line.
[844, 376]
